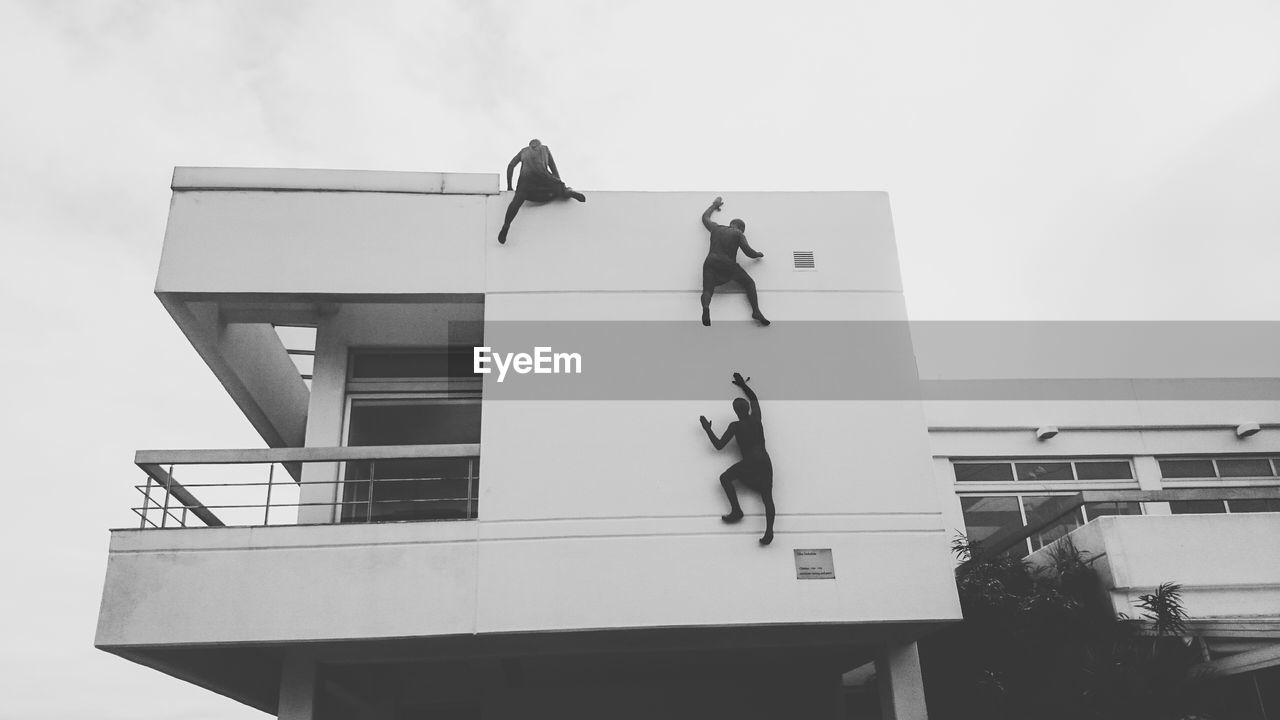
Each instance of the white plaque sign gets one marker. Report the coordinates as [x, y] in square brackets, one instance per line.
[814, 564]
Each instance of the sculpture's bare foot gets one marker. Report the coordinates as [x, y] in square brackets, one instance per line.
[760, 318]
[502, 236]
[577, 196]
[706, 316]
[732, 517]
[768, 537]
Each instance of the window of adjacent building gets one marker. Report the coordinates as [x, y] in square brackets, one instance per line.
[984, 516]
[1219, 468]
[1206, 507]
[1042, 471]
[1008, 501]
[411, 397]
[1212, 472]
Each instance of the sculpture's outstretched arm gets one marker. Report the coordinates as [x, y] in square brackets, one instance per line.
[511, 168]
[747, 249]
[720, 442]
[751, 395]
[706, 214]
[551, 165]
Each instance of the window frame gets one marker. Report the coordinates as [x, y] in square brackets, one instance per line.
[1021, 489]
[435, 390]
[1219, 480]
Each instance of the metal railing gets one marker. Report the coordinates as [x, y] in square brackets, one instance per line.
[1063, 509]
[384, 483]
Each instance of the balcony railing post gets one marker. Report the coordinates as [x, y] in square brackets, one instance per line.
[266, 512]
[469, 474]
[146, 504]
[368, 515]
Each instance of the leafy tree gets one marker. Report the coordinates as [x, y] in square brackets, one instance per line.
[1046, 644]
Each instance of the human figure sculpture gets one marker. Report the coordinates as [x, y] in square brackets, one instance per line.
[755, 469]
[539, 182]
[721, 264]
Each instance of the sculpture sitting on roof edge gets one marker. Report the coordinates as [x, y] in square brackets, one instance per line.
[539, 182]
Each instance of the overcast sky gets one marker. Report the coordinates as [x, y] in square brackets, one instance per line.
[1057, 160]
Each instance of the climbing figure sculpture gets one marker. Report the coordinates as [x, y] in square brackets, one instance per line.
[721, 264]
[755, 469]
[539, 182]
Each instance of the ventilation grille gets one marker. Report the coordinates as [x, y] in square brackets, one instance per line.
[803, 260]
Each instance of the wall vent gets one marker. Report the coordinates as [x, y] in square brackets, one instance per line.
[803, 260]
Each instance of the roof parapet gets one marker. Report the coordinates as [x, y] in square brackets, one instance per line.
[290, 179]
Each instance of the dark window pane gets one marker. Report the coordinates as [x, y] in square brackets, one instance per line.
[1171, 469]
[1044, 472]
[1192, 507]
[986, 516]
[389, 365]
[1100, 509]
[1104, 470]
[984, 472]
[1252, 506]
[1244, 467]
[413, 422]
[1051, 507]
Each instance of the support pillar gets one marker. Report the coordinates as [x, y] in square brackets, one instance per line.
[297, 689]
[901, 683]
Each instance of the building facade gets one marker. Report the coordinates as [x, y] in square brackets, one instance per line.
[419, 540]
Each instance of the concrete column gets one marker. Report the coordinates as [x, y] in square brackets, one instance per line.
[324, 424]
[901, 683]
[1147, 470]
[297, 689]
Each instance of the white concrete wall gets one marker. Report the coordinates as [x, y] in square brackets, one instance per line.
[302, 242]
[313, 241]
[1227, 564]
[214, 585]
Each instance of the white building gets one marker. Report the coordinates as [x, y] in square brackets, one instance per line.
[420, 543]
[1156, 445]
[556, 549]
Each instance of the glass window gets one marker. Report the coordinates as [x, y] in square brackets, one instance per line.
[413, 421]
[1047, 507]
[1252, 506]
[455, 362]
[1044, 472]
[1100, 509]
[417, 488]
[1196, 507]
[1244, 467]
[984, 472]
[986, 516]
[1104, 470]
[1173, 469]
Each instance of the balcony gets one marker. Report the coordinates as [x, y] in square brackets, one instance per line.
[1225, 563]
[375, 484]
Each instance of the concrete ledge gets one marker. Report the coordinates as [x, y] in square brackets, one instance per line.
[205, 178]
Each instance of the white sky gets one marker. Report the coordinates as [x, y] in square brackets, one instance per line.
[1064, 160]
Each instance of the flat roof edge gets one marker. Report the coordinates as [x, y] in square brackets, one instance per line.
[229, 178]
